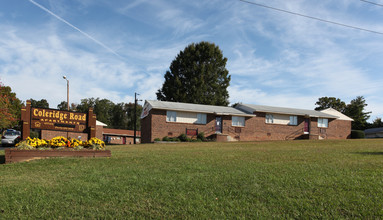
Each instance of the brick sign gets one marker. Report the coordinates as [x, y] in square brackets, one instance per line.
[57, 120]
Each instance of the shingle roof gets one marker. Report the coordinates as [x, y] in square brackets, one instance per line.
[249, 108]
[188, 107]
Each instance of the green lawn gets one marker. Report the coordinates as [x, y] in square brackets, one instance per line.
[294, 179]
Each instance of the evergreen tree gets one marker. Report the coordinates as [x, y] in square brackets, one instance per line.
[355, 110]
[197, 75]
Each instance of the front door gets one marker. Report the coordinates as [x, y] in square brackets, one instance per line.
[218, 124]
[307, 126]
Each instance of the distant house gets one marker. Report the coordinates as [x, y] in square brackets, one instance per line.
[116, 136]
[374, 133]
[245, 122]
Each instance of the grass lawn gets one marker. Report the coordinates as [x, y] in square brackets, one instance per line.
[287, 179]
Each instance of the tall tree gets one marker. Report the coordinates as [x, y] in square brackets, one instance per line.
[197, 75]
[103, 108]
[129, 108]
[356, 110]
[10, 107]
[86, 104]
[330, 102]
[119, 117]
[43, 103]
[63, 106]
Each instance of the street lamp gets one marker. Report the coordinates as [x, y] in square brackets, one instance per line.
[67, 91]
[135, 116]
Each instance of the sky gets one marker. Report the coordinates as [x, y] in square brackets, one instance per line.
[113, 48]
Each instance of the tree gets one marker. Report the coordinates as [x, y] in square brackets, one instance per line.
[377, 123]
[129, 108]
[119, 117]
[330, 102]
[355, 110]
[43, 103]
[197, 75]
[103, 108]
[86, 104]
[63, 106]
[10, 108]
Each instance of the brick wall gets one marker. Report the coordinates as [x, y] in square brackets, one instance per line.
[99, 129]
[47, 134]
[264, 131]
[337, 129]
[146, 129]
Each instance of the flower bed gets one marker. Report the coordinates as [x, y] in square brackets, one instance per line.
[57, 147]
[60, 143]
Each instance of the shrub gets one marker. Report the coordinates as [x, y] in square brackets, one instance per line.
[34, 134]
[201, 136]
[157, 139]
[357, 134]
[175, 139]
[183, 137]
[166, 138]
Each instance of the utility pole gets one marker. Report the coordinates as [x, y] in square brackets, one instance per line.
[67, 91]
[135, 116]
[67, 96]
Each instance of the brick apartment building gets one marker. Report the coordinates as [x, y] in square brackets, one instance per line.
[242, 123]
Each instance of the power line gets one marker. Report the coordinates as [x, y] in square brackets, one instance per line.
[314, 18]
[372, 3]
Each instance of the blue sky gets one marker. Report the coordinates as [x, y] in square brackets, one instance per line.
[111, 49]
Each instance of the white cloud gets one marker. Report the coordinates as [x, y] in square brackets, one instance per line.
[34, 69]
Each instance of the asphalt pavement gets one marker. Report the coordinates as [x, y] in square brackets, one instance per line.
[2, 148]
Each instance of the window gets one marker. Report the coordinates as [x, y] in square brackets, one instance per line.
[238, 121]
[269, 118]
[186, 117]
[201, 118]
[171, 116]
[293, 120]
[322, 122]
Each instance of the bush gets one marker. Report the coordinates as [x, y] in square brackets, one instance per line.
[357, 134]
[166, 138]
[175, 139]
[34, 134]
[201, 136]
[157, 139]
[183, 137]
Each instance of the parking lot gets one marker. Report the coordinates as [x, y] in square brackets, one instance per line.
[4, 147]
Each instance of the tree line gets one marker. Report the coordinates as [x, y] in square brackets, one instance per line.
[115, 115]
